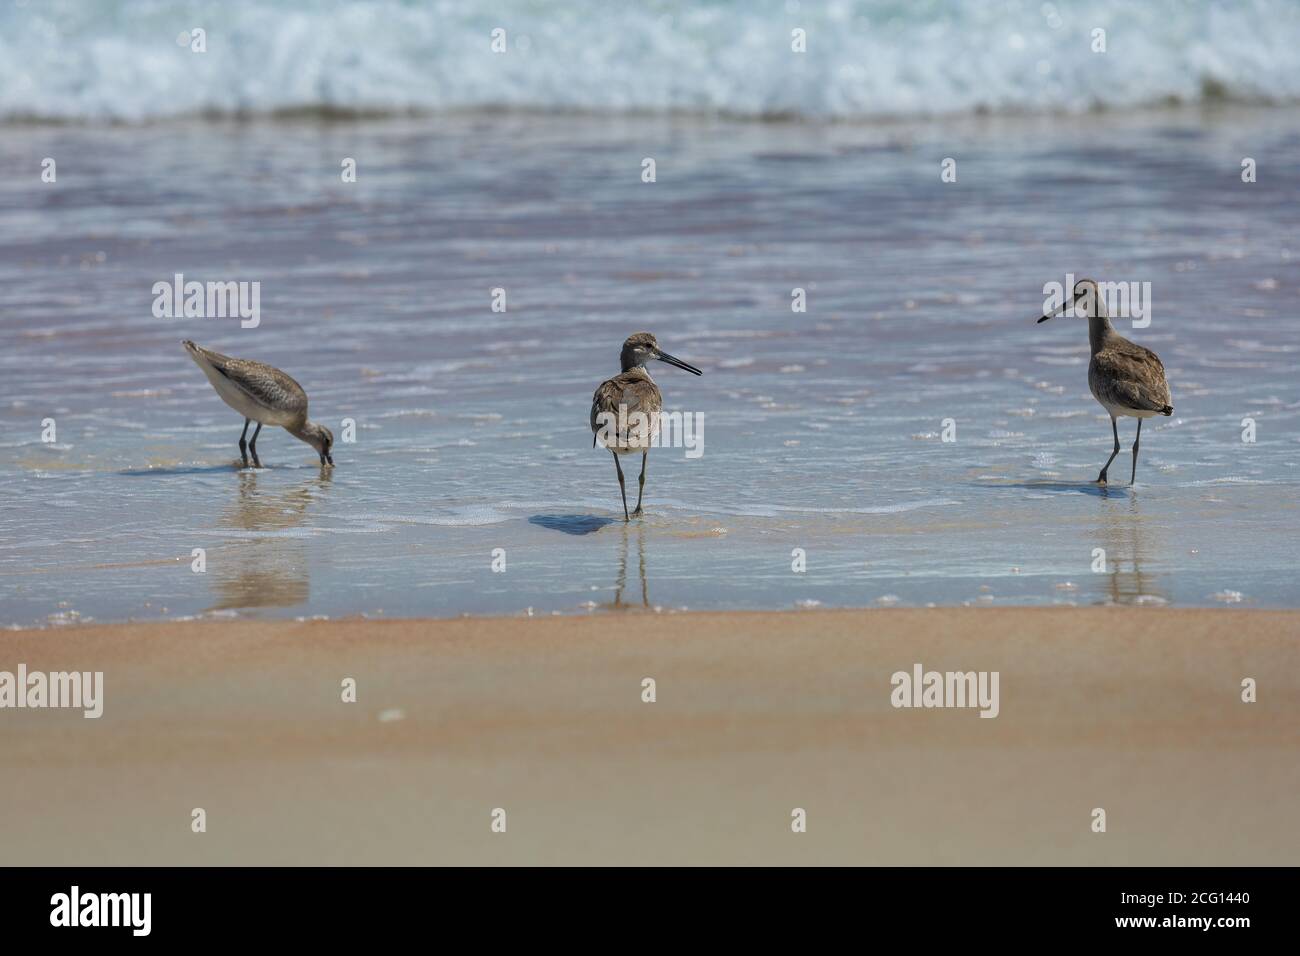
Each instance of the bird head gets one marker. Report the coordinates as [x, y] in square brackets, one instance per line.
[641, 347]
[320, 438]
[1084, 295]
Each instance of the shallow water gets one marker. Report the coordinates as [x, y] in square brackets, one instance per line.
[822, 430]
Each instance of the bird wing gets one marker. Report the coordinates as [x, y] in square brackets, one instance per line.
[604, 400]
[1134, 376]
[634, 394]
[263, 383]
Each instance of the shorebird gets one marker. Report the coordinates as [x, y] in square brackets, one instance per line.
[625, 409]
[262, 394]
[1124, 377]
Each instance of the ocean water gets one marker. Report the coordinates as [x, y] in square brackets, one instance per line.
[823, 441]
[121, 59]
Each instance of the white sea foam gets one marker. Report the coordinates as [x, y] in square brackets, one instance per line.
[764, 510]
[467, 515]
[120, 59]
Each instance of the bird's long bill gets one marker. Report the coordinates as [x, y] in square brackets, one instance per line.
[673, 360]
[1063, 307]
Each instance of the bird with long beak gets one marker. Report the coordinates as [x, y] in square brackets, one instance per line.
[262, 394]
[1127, 379]
[625, 409]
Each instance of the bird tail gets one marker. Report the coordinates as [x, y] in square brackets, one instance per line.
[1167, 410]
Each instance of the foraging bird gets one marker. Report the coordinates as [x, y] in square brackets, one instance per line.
[1124, 377]
[263, 394]
[625, 409]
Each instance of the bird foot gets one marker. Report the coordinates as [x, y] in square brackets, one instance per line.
[1101, 479]
[638, 511]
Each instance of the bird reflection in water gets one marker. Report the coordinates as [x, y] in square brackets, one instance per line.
[265, 571]
[1128, 540]
[621, 585]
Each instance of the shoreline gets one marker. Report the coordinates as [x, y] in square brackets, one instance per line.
[606, 612]
[756, 713]
[1211, 112]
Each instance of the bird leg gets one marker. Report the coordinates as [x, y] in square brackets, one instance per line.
[641, 482]
[1133, 477]
[621, 488]
[252, 445]
[243, 445]
[1101, 479]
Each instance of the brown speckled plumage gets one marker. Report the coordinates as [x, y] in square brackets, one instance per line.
[1123, 374]
[263, 394]
[264, 384]
[636, 393]
[1126, 378]
[625, 409]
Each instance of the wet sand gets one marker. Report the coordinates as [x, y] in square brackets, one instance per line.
[1137, 711]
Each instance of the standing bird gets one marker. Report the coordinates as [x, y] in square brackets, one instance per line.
[1125, 377]
[263, 394]
[625, 409]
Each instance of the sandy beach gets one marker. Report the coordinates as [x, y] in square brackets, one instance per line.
[1137, 711]
[430, 229]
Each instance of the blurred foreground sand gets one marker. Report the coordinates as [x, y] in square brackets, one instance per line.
[1137, 711]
